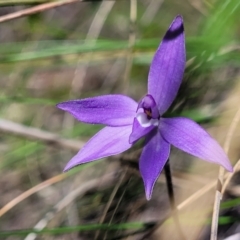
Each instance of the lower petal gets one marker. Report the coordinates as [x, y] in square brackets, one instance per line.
[154, 156]
[109, 141]
[139, 131]
[188, 136]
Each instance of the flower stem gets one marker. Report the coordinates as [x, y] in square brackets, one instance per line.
[169, 183]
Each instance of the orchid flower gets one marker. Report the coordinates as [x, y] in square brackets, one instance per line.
[127, 121]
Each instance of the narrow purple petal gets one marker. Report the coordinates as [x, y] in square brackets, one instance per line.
[112, 110]
[109, 141]
[167, 68]
[154, 156]
[139, 131]
[188, 136]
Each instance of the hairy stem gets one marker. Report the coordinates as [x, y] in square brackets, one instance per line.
[169, 183]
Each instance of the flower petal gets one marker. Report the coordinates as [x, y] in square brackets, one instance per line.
[109, 141]
[154, 156]
[188, 136]
[112, 110]
[139, 131]
[167, 68]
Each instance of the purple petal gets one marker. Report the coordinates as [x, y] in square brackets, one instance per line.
[139, 131]
[188, 136]
[154, 156]
[109, 141]
[112, 110]
[167, 68]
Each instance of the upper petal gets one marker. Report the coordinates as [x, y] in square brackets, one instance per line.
[188, 136]
[148, 104]
[109, 141]
[154, 156]
[167, 68]
[112, 110]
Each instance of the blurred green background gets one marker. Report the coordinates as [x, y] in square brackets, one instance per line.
[90, 48]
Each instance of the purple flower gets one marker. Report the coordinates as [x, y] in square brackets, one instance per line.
[127, 121]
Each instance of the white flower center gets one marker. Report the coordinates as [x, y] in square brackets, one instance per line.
[144, 121]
